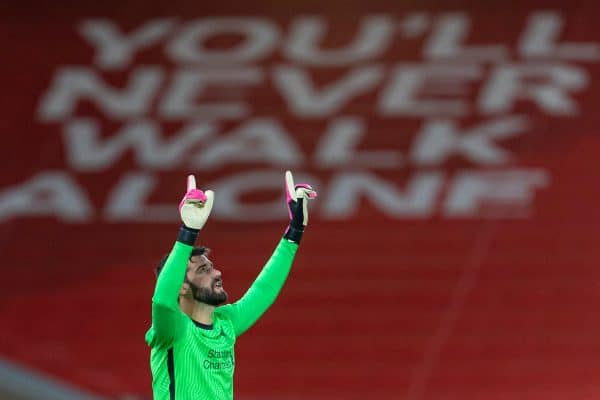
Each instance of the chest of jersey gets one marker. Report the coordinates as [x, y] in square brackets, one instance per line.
[204, 362]
[212, 350]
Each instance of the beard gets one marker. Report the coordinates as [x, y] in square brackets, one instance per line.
[208, 295]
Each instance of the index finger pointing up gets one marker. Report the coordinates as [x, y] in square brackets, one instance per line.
[191, 182]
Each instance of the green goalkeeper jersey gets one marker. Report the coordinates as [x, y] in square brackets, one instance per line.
[190, 360]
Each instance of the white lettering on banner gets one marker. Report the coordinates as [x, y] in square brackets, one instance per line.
[439, 139]
[116, 50]
[513, 188]
[457, 100]
[303, 43]
[337, 147]
[86, 151]
[507, 85]
[179, 101]
[304, 100]
[306, 33]
[550, 86]
[255, 141]
[540, 40]
[342, 195]
[260, 36]
[56, 194]
[48, 194]
[400, 95]
[204, 145]
[348, 189]
[71, 85]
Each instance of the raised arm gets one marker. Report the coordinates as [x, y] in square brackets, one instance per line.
[263, 292]
[168, 321]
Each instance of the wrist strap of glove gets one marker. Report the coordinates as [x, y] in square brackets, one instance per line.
[293, 234]
[187, 235]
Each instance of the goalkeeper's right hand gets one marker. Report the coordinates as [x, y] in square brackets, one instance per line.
[196, 205]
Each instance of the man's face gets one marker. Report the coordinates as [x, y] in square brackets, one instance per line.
[205, 281]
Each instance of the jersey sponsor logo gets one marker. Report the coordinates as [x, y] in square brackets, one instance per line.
[219, 360]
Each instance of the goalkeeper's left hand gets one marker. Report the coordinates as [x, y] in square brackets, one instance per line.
[297, 197]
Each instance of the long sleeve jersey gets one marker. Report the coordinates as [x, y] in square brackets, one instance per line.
[190, 360]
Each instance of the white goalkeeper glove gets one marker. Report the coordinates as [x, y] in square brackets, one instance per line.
[196, 205]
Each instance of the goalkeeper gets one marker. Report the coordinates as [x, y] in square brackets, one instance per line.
[193, 334]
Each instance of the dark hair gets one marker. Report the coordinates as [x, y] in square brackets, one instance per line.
[196, 251]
